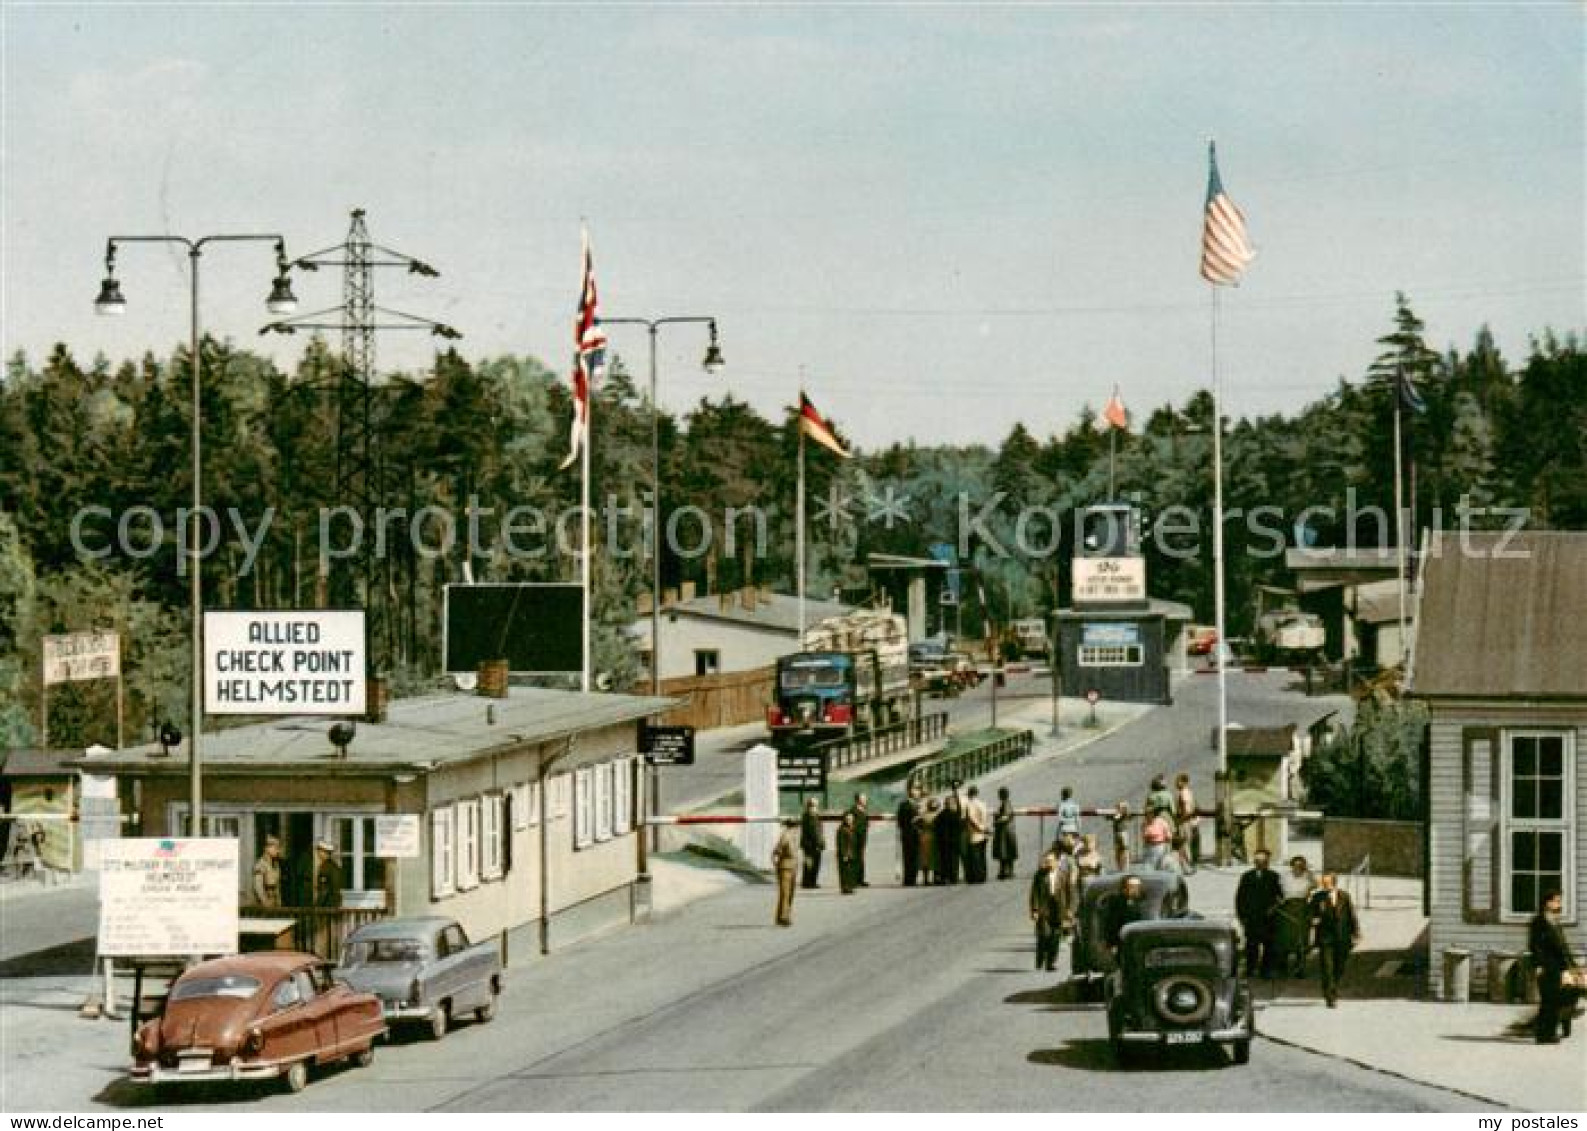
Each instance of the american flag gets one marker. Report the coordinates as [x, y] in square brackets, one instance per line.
[589, 352]
[1225, 251]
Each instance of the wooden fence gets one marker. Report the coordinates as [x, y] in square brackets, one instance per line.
[722, 700]
[319, 930]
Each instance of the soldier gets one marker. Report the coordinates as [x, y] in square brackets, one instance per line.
[862, 833]
[267, 874]
[909, 835]
[784, 858]
[812, 843]
[327, 875]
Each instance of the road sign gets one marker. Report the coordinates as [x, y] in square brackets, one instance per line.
[667, 746]
[1092, 696]
[801, 771]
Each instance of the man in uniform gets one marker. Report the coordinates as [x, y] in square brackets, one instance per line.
[327, 875]
[267, 874]
[784, 858]
[812, 843]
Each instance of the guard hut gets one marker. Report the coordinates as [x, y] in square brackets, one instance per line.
[1114, 639]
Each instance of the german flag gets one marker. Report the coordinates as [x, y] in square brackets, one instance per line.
[814, 425]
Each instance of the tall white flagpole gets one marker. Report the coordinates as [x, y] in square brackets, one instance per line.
[584, 526]
[1217, 550]
[799, 528]
[1399, 513]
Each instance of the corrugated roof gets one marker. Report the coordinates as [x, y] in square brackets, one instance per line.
[418, 733]
[1511, 626]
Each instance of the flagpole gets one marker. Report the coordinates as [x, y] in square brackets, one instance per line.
[1221, 646]
[584, 529]
[799, 528]
[1113, 455]
[1399, 511]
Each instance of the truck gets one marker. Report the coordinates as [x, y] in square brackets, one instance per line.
[850, 676]
[1289, 634]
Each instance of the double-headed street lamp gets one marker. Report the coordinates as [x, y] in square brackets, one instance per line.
[111, 302]
[710, 363]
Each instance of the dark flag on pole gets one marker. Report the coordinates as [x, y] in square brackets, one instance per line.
[1410, 396]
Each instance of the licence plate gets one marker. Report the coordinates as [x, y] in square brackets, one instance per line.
[194, 1062]
[1190, 1037]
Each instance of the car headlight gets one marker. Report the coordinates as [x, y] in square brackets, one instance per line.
[253, 1043]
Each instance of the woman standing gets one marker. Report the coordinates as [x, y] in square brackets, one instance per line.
[1005, 845]
[1187, 835]
[926, 823]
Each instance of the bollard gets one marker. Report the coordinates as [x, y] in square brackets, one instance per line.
[1501, 968]
[1457, 975]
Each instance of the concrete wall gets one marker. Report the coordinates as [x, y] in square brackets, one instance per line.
[1395, 846]
[1447, 927]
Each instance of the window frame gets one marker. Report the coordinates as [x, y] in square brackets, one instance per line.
[1565, 824]
[468, 843]
[1111, 655]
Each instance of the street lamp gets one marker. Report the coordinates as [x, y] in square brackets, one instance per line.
[110, 302]
[710, 363]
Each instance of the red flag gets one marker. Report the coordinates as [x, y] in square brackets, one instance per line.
[1114, 414]
[814, 425]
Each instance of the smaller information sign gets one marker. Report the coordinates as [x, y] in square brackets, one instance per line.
[81, 655]
[801, 771]
[397, 835]
[175, 896]
[1102, 581]
[668, 746]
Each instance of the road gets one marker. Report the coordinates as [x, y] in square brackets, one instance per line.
[890, 999]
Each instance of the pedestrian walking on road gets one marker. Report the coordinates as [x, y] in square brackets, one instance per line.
[926, 823]
[1068, 813]
[1005, 843]
[1551, 954]
[1121, 836]
[1256, 898]
[785, 859]
[908, 817]
[848, 855]
[978, 832]
[862, 834]
[1337, 931]
[1046, 911]
[950, 833]
[1298, 882]
[1157, 833]
[812, 843]
[1187, 822]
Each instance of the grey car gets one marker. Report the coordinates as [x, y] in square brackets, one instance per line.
[424, 971]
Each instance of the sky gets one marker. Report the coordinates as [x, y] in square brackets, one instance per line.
[941, 220]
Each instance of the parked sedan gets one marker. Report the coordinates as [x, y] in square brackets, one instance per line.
[255, 1017]
[424, 970]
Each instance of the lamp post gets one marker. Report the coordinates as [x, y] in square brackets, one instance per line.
[111, 302]
[710, 363]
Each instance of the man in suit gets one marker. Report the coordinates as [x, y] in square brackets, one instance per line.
[1336, 930]
[1125, 906]
[1552, 956]
[1255, 900]
[812, 843]
[1046, 911]
[783, 859]
[909, 835]
[862, 833]
[848, 855]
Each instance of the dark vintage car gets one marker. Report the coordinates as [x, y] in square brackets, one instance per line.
[255, 1017]
[1164, 896]
[1177, 985]
[424, 970]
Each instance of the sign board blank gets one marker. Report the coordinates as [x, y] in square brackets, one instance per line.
[535, 627]
[281, 662]
[171, 896]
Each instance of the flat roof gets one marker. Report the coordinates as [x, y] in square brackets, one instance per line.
[420, 734]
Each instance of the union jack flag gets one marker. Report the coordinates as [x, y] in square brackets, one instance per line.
[1225, 250]
[589, 352]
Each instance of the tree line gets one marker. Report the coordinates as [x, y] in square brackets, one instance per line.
[490, 434]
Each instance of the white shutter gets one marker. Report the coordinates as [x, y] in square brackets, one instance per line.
[583, 808]
[561, 789]
[603, 801]
[622, 795]
[534, 803]
[441, 852]
[467, 845]
[490, 836]
[520, 806]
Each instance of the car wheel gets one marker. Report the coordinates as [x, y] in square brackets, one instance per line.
[1242, 1052]
[487, 1011]
[438, 1022]
[297, 1076]
[365, 1056]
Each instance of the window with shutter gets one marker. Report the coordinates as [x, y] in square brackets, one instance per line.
[603, 801]
[467, 845]
[491, 808]
[622, 795]
[442, 863]
[583, 808]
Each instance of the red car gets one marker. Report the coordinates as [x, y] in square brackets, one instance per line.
[256, 1017]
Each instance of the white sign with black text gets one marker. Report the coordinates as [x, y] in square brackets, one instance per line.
[397, 835]
[81, 655]
[167, 896]
[1099, 581]
[284, 663]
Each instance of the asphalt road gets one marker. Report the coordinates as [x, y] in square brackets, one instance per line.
[890, 999]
